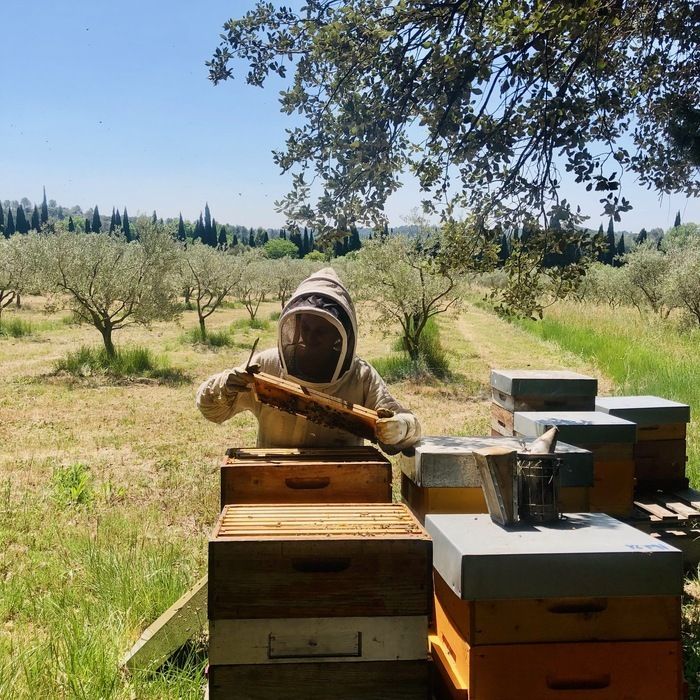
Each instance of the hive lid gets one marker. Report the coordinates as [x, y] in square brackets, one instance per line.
[544, 383]
[586, 554]
[644, 410]
[448, 462]
[285, 455]
[577, 427]
[318, 522]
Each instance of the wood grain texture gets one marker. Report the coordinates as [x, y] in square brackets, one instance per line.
[613, 487]
[374, 680]
[479, 623]
[352, 560]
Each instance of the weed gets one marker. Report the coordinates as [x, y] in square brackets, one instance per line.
[214, 339]
[72, 485]
[15, 328]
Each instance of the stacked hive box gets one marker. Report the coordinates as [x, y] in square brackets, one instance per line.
[660, 451]
[610, 439]
[441, 476]
[589, 607]
[515, 390]
[319, 601]
[305, 475]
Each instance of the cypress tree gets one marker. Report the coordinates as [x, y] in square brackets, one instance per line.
[251, 238]
[125, 225]
[59, 214]
[312, 242]
[234, 242]
[36, 224]
[620, 251]
[677, 222]
[21, 222]
[154, 218]
[181, 235]
[265, 237]
[44, 209]
[209, 237]
[642, 237]
[117, 218]
[214, 235]
[223, 238]
[71, 225]
[305, 243]
[503, 251]
[10, 228]
[96, 223]
[2, 218]
[87, 225]
[601, 237]
[112, 222]
[610, 244]
[283, 235]
[355, 242]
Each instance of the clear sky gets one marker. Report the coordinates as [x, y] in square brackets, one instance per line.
[108, 103]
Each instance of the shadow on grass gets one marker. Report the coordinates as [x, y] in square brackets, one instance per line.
[134, 364]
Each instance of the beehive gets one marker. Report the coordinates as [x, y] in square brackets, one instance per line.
[609, 438]
[567, 609]
[537, 390]
[660, 452]
[305, 475]
[441, 475]
[302, 596]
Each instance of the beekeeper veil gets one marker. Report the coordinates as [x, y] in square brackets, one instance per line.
[317, 330]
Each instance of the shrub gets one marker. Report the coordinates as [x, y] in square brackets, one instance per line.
[126, 362]
[15, 327]
[72, 485]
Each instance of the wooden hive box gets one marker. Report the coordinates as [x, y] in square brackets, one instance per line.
[305, 475]
[441, 475]
[512, 598]
[609, 438]
[660, 452]
[602, 670]
[537, 390]
[325, 560]
[307, 598]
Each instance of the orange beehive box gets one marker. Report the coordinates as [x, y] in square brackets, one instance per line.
[323, 560]
[600, 670]
[660, 460]
[462, 624]
[305, 475]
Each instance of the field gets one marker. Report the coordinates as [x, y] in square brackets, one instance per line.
[109, 488]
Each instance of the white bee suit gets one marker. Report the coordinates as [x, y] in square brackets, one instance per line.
[352, 378]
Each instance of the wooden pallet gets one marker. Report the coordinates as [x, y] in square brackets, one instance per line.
[667, 510]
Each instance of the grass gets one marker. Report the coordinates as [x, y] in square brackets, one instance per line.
[256, 323]
[136, 361]
[431, 363]
[212, 339]
[15, 327]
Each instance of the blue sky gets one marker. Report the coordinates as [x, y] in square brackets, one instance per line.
[109, 104]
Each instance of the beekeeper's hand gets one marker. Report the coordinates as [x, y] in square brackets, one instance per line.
[391, 429]
[239, 380]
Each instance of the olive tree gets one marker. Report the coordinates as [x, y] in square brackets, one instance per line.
[647, 269]
[111, 283]
[287, 273]
[255, 281]
[17, 266]
[682, 287]
[405, 281]
[211, 276]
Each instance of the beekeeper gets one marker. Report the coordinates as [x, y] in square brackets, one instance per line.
[316, 341]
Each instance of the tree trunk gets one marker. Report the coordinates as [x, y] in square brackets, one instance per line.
[18, 301]
[188, 303]
[202, 328]
[107, 338]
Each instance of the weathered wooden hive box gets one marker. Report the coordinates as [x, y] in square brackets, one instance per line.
[660, 452]
[537, 390]
[609, 438]
[587, 607]
[441, 475]
[318, 601]
[305, 475]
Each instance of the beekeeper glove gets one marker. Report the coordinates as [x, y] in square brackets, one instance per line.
[392, 429]
[239, 380]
